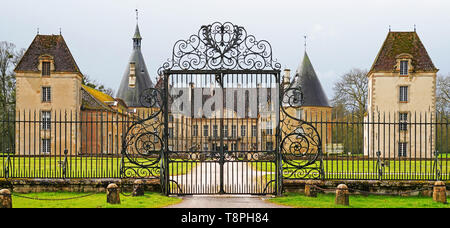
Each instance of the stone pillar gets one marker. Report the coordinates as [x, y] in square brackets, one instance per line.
[342, 195]
[113, 194]
[138, 188]
[310, 190]
[5, 199]
[439, 192]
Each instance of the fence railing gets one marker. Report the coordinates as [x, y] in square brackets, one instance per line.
[87, 144]
[384, 146]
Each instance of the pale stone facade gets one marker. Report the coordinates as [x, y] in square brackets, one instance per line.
[55, 112]
[46, 65]
[401, 98]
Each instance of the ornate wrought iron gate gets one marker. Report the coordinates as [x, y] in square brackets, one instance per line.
[214, 125]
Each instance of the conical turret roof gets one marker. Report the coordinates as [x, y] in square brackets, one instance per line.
[306, 78]
[129, 94]
[137, 33]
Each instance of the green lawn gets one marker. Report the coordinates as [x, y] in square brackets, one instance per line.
[106, 167]
[79, 167]
[358, 201]
[149, 200]
[367, 169]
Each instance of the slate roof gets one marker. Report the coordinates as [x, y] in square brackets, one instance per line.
[131, 95]
[306, 78]
[397, 43]
[53, 45]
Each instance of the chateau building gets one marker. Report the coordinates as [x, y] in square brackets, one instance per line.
[49, 89]
[85, 121]
[401, 89]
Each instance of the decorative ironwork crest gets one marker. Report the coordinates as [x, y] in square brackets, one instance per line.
[221, 46]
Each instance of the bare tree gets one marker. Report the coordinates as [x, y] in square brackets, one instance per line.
[88, 81]
[9, 57]
[443, 95]
[351, 92]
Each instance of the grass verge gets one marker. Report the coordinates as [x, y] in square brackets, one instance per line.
[149, 200]
[358, 201]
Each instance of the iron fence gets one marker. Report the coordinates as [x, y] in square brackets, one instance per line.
[87, 144]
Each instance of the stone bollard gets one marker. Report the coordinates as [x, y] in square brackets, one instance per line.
[5, 199]
[310, 190]
[439, 192]
[138, 188]
[342, 195]
[112, 194]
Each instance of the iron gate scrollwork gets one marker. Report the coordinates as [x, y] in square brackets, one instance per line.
[203, 145]
[301, 145]
[143, 144]
[221, 47]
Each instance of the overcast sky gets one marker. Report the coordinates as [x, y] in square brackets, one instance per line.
[341, 34]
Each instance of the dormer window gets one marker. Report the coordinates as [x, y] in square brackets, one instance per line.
[132, 76]
[404, 67]
[46, 65]
[45, 68]
[404, 64]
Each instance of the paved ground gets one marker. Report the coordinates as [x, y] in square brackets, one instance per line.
[227, 201]
[239, 177]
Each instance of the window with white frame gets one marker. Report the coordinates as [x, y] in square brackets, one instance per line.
[403, 93]
[205, 130]
[225, 131]
[46, 146]
[254, 130]
[46, 119]
[243, 130]
[215, 131]
[46, 94]
[233, 131]
[403, 117]
[170, 132]
[402, 149]
[195, 130]
[404, 67]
